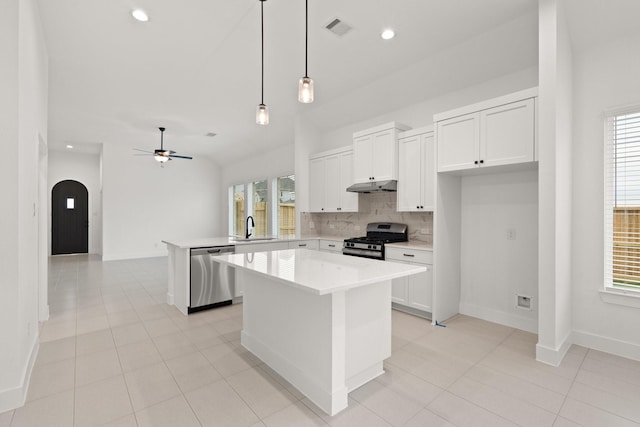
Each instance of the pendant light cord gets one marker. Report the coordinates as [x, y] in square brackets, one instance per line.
[306, 35]
[262, 47]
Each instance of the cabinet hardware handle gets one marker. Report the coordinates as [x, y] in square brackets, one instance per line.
[417, 207]
[409, 255]
[481, 161]
[421, 207]
[302, 245]
[476, 162]
[332, 246]
[339, 209]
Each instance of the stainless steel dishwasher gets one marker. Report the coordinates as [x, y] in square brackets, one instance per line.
[212, 284]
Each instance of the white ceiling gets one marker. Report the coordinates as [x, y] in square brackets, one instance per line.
[195, 66]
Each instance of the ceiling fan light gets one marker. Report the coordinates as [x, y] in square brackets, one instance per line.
[262, 114]
[160, 158]
[305, 90]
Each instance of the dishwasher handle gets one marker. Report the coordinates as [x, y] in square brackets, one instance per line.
[213, 250]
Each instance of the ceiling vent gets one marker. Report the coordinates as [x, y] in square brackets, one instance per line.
[211, 134]
[338, 27]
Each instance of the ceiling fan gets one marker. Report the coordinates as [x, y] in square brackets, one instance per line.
[162, 155]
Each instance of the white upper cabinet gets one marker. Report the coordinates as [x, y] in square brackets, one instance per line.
[498, 135]
[330, 174]
[375, 153]
[416, 170]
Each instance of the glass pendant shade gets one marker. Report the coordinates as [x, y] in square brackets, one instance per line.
[305, 90]
[262, 115]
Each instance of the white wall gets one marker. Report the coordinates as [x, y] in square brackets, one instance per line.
[23, 123]
[605, 78]
[278, 162]
[421, 114]
[84, 168]
[493, 268]
[143, 203]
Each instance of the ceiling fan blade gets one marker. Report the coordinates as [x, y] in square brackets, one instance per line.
[144, 151]
[180, 157]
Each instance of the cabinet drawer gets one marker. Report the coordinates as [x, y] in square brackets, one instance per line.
[409, 255]
[304, 244]
[331, 245]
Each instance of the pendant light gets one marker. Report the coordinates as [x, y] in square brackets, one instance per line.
[262, 112]
[305, 85]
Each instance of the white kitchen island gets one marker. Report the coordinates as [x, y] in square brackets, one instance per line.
[321, 320]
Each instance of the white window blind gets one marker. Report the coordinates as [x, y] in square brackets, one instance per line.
[622, 200]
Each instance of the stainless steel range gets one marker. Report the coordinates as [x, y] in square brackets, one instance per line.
[372, 245]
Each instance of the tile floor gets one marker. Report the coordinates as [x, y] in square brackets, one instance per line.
[114, 353]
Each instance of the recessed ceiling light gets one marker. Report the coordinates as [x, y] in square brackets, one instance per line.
[69, 146]
[140, 15]
[387, 34]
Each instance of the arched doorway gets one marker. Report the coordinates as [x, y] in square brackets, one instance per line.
[69, 218]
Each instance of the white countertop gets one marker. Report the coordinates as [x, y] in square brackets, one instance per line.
[206, 242]
[319, 272]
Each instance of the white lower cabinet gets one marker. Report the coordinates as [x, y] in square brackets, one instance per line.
[414, 292]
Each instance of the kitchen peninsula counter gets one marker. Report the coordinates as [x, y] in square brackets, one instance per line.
[321, 320]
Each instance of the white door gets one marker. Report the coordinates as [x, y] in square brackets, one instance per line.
[458, 142]
[508, 134]
[384, 146]
[316, 185]
[348, 200]
[409, 174]
[332, 184]
[362, 159]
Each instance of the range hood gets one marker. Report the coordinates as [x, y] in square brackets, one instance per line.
[373, 187]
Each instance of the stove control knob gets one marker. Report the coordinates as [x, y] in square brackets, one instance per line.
[368, 246]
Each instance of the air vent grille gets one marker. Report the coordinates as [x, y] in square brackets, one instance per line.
[211, 134]
[338, 27]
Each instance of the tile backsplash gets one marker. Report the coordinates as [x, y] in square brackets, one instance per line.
[372, 207]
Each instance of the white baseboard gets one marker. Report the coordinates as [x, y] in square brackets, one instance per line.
[118, 257]
[607, 344]
[553, 356]
[15, 397]
[500, 317]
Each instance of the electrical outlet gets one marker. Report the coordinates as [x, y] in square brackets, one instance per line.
[511, 234]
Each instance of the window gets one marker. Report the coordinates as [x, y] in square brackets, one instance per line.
[237, 216]
[286, 205]
[71, 203]
[271, 214]
[622, 201]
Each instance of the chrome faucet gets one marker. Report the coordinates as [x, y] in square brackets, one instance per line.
[253, 224]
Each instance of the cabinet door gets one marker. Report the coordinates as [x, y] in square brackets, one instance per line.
[348, 201]
[409, 174]
[316, 185]
[508, 133]
[428, 172]
[362, 158]
[399, 291]
[420, 290]
[332, 184]
[458, 142]
[384, 155]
